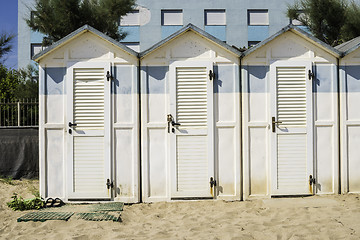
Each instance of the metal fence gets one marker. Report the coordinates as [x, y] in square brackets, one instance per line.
[19, 113]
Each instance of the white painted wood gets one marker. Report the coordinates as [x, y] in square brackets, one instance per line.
[215, 17]
[88, 101]
[42, 138]
[192, 144]
[292, 141]
[133, 45]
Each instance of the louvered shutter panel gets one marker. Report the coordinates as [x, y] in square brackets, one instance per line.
[89, 164]
[291, 96]
[191, 97]
[89, 98]
[88, 111]
[291, 165]
[192, 114]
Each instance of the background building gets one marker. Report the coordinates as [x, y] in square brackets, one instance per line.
[237, 22]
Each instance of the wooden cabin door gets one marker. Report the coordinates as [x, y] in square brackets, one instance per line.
[291, 128]
[88, 122]
[190, 125]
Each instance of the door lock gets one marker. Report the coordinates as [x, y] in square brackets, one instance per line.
[273, 122]
[171, 123]
[70, 126]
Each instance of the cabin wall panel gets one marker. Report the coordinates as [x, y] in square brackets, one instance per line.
[54, 90]
[257, 142]
[125, 163]
[325, 159]
[353, 141]
[226, 161]
[54, 153]
[157, 163]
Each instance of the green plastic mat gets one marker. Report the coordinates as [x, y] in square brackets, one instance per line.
[44, 216]
[114, 206]
[98, 217]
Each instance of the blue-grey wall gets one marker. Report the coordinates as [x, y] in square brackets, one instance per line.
[236, 32]
[351, 82]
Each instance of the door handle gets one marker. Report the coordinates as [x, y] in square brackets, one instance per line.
[72, 124]
[171, 123]
[273, 122]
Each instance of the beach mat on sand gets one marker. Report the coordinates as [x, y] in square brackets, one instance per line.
[106, 207]
[98, 217]
[44, 216]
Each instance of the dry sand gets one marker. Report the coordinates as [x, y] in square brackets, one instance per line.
[320, 217]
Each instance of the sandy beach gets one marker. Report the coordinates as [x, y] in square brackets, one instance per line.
[319, 217]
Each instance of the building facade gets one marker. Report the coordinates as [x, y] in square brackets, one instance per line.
[239, 23]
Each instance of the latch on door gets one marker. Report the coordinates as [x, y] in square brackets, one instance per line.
[212, 182]
[212, 185]
[109, 184]
[171, 123]
[273, 122]
[312, 182]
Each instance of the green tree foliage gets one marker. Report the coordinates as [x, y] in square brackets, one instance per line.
[5, 43]
[324, 18]
[18, 84]
[9, 81]
[351, 28]
[58, 18]
[28, 85]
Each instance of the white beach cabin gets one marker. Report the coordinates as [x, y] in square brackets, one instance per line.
[350, 115]
[290, 116]
[190, 118]
[89, 141]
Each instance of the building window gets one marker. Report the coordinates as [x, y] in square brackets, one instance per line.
[32, 15]
[297, 22]
[258, 17]
[252, 43]
[131, 19]
[133, 45]
[35, 49]
[171, 17]
[215, 17]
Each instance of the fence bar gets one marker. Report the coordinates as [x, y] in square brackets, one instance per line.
[18, 113]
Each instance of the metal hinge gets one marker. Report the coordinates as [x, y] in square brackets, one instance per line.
[109, 76]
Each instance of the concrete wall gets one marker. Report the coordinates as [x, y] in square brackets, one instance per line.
[236, 32]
